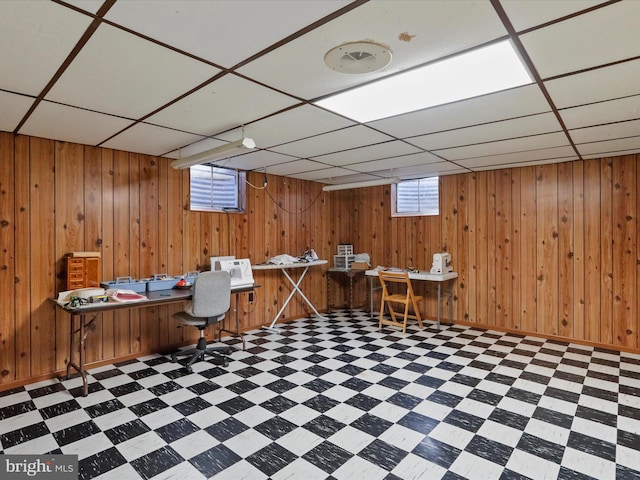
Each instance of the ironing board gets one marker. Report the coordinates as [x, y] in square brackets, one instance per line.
[295, 284]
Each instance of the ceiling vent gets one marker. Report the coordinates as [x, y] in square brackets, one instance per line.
[358, 57]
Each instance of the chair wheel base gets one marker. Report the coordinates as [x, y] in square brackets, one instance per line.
[215, 356]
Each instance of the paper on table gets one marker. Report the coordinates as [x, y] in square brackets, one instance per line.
[389, 269]
[64, 297]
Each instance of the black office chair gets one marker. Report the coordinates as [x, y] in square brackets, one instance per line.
[211, 300]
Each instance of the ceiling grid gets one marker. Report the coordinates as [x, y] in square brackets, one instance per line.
[155, 78]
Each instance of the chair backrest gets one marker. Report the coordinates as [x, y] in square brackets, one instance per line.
[211, 293]
[397, 278]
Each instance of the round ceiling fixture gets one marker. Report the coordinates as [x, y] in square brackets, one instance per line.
[358, 57]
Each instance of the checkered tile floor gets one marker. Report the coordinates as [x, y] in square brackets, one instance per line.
[336, 399]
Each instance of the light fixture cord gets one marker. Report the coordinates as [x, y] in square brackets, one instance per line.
[289, 211]
[264, 187]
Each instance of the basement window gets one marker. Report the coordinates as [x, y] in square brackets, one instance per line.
[216, 189]
[416, 197]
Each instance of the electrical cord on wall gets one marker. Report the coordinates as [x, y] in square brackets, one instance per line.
[264, 187]
[254, 302]
[227, 210]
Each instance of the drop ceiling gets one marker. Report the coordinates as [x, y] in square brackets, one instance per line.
[174, 78]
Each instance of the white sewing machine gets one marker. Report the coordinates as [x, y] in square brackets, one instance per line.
[215, 261]
[239, 270]
[441, 263]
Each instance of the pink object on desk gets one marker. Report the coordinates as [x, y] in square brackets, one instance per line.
[125, 296]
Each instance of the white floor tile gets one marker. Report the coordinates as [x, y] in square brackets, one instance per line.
[472, 467]
[589, 464]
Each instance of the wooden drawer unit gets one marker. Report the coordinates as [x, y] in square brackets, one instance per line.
[83, 270]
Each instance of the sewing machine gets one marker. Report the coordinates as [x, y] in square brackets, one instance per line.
[239, 269]
[441, 263]
[215, 261]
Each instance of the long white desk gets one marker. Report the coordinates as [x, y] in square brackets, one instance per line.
[439, 278]
[295, 284]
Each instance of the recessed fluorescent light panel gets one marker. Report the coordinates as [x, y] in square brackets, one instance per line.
[478, 72]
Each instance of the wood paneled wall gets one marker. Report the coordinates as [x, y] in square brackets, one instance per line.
[550, 250]
[57, 197]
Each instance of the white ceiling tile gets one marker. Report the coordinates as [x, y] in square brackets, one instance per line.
[149, 139]
[51, 120]
[373, 152]
[609, 131]
[430, 170]
[91, 6]
[489, 132]
[416, 32]
[515, 145]
[224, 104]
[131, 74]
[561, 153]
[616, 81]
[255, 160]
[122, 74]
[301, 122]
[424, 158]
[517, 102]
[222, 31]
[616, 153]
[13, 108]
[294, 167]
[324, 173]
[525, 14]
[197, 146]
[595, 38]
[351, 178]
[525, 164]
[36, 39]
[603, 112]
[351, 137]
[620, 146]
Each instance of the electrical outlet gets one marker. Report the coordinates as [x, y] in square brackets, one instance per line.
[250, 297]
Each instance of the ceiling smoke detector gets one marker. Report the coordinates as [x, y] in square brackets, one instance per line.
[358, 57]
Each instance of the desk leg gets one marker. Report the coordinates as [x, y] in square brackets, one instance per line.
[371, 290]
[450, 302]
[71, 342]
[79, 367]
[328, 292]
[370, 297]
[350, 295]
[449, 295]
[237, 331]
[439, 302]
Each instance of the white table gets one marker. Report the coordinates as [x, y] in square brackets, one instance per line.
[439, 278]
[295, 284]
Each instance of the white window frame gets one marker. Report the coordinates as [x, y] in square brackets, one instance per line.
[219, 179]
[425, 204]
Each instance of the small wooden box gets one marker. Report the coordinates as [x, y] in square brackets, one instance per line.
[83, 270]
[360, 266]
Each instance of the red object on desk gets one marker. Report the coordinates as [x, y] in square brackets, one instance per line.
[121, 296]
